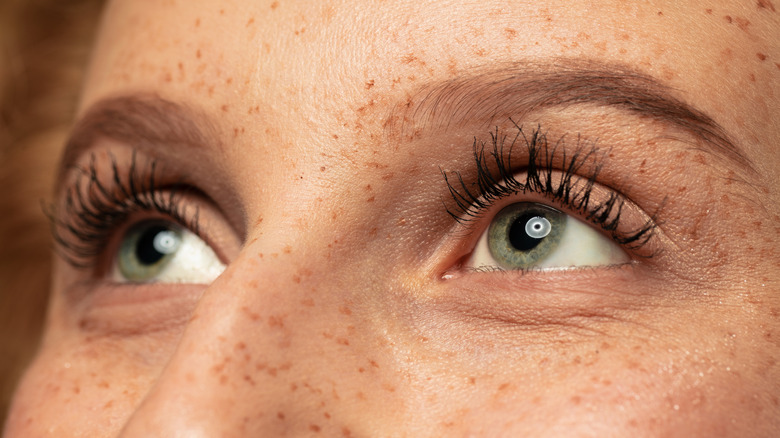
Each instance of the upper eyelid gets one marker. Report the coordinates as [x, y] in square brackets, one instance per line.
[90, 210]
[491, 188]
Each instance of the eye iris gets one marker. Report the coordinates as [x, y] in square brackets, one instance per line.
[155, 243]
[147, 249]
[523, 234]
[528, 230]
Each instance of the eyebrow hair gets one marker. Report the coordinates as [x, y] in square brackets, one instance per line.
[141, 120]
[520, 89]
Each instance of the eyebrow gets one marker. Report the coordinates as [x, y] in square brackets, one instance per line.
[142, 120]
[518, 90]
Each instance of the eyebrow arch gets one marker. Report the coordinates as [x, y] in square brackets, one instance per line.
[140, 120]
[520, 89]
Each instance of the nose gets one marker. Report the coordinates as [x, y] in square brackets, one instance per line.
[255, 359]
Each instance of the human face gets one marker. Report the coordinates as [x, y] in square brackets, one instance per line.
[314, 139]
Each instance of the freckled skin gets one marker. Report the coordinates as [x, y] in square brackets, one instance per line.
[326, 321]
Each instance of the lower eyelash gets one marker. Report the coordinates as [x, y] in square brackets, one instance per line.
[92, 209]
[471, 201]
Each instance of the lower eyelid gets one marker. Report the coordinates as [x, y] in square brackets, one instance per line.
[127, 310]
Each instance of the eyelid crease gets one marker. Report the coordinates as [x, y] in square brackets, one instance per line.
[496, 179]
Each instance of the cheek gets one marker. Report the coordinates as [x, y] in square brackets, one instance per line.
[72, 391]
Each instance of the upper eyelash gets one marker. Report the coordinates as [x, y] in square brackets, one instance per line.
[93, 209]
[471, 201]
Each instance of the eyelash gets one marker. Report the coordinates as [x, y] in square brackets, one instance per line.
[93, 210]
[472, 201]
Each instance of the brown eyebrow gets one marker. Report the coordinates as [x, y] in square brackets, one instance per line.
[143, 120]
[518, 90]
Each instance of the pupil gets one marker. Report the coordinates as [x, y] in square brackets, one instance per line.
[518, 236]
[146, 252]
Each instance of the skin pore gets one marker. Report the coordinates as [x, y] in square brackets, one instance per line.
[315, 138]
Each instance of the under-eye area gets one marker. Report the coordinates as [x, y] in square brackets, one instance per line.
[548, 212]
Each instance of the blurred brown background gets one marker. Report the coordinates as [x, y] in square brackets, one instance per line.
[44, 47]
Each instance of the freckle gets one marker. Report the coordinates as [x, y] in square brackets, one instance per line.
[197, 22]
[276, 321]
[472, 381]
[223, 379]
[503, 386]
[335, 136]
[728, 19]
[308, 302]
[250, 22]
[752, 77]
[660, 13]
[322, 168]
[272, 372]
[224, 108]
[388, 387]
[510, 33]
[274, 5]
[252, 315]
[766, 4]
[249, 379]
[108, 404]
[280, 415]
[103, 384]
[576, 400]
[342, 341]
[168, 77]
[373, 363]
[314, 428]
[369, 84]
[287, 249]
[296, 279]
[326, 415]
[221, 12]
[371, 199]
[708, 11]
[761, 56]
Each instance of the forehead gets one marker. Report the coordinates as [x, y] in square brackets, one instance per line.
[343, 65]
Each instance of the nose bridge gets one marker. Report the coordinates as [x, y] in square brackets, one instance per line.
[230, 373]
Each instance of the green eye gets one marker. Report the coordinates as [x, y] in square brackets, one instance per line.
[523, 234]
[147, 249]
[528, 235]
[163, 252]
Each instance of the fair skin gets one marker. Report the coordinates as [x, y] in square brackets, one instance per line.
[347, 306]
